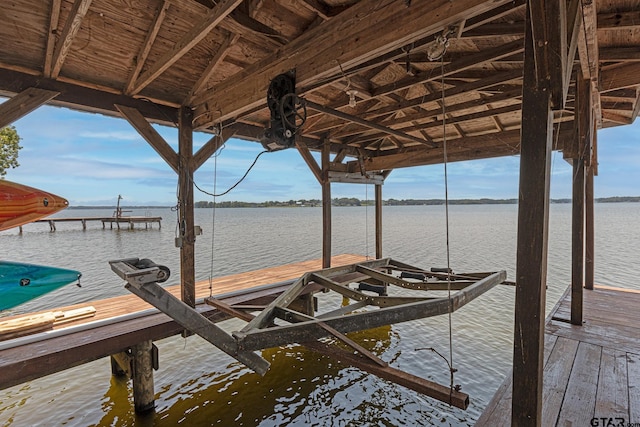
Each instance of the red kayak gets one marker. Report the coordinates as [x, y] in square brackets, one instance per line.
[20, 204]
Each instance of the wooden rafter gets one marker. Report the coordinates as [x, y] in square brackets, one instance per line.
[54, 17]
[188, 41]
[150, 135]
[418, 20]
[365, 123]
[71, 28]
[141, 58]
[454, 67]
[215, 60]
[23, 103]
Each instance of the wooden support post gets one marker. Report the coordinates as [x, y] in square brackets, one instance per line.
[577, 242]
[143, 391]
[305, 304]
[186, 213]
[326, 207]
[531, 260]
[583, 136]
[589, 231]
[378, 221]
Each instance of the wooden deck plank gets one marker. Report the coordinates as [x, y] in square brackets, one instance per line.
[580, 397]
[598, 363]
[633, 378]
[612, 398]
[556, 378]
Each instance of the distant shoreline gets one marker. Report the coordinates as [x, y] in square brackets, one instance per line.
[357, 202]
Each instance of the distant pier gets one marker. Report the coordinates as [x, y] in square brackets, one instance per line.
[130, 221]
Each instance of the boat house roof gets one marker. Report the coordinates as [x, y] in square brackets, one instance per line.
[369, 71]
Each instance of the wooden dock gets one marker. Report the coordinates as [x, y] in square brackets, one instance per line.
[591, 372]
[130, 221]
[124, 321]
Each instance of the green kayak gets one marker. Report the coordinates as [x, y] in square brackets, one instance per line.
[20, 282]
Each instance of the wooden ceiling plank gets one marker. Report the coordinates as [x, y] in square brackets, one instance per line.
[636, 109]
[347, 40]
[71, 28]
[140, 124]
[188, 41]
[54, 17]
[215, 61]
[23, 103]
[461, 64]
[616, 118]
[494, 14]
[161, 13]
[626, 75]
[619, 20]
[619, 54]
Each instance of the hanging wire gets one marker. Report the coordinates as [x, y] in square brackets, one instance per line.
[366, 219]
[213, 217]
[446, 207]
[234, 185]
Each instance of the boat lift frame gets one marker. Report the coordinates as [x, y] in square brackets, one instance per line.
[279, 323]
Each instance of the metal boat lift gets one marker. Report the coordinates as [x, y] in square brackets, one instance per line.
[383, 292]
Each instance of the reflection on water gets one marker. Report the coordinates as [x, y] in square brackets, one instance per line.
[199, 385]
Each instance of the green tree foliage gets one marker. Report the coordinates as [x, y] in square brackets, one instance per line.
[9, 148]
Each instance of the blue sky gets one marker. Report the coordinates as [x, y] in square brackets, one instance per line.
[90, 159]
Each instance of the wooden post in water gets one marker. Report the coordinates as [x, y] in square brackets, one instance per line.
[143, 389]
[378, 221]
[531, 263]
[326, 207]
[185, 208]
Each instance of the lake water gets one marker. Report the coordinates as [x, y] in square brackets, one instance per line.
[199, 385]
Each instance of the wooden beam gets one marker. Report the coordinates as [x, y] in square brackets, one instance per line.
[23, 103]
[86, 99]
[619, 54]
[71, 28]
[52, 31]
[326, 206]
[310, 161]
[322, 51]
[140, 124]
[187, 237]
[531, 259]
[215, 60]
[141, 58]
[186, 43]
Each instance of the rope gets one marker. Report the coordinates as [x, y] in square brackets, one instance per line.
[366, 219]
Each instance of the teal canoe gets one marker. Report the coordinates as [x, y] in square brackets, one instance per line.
[20, 282]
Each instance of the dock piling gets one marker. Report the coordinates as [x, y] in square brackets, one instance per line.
[143, 389]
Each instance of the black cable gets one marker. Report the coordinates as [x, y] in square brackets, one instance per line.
[237, 183]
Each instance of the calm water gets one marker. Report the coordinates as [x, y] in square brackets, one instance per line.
[199, 385]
